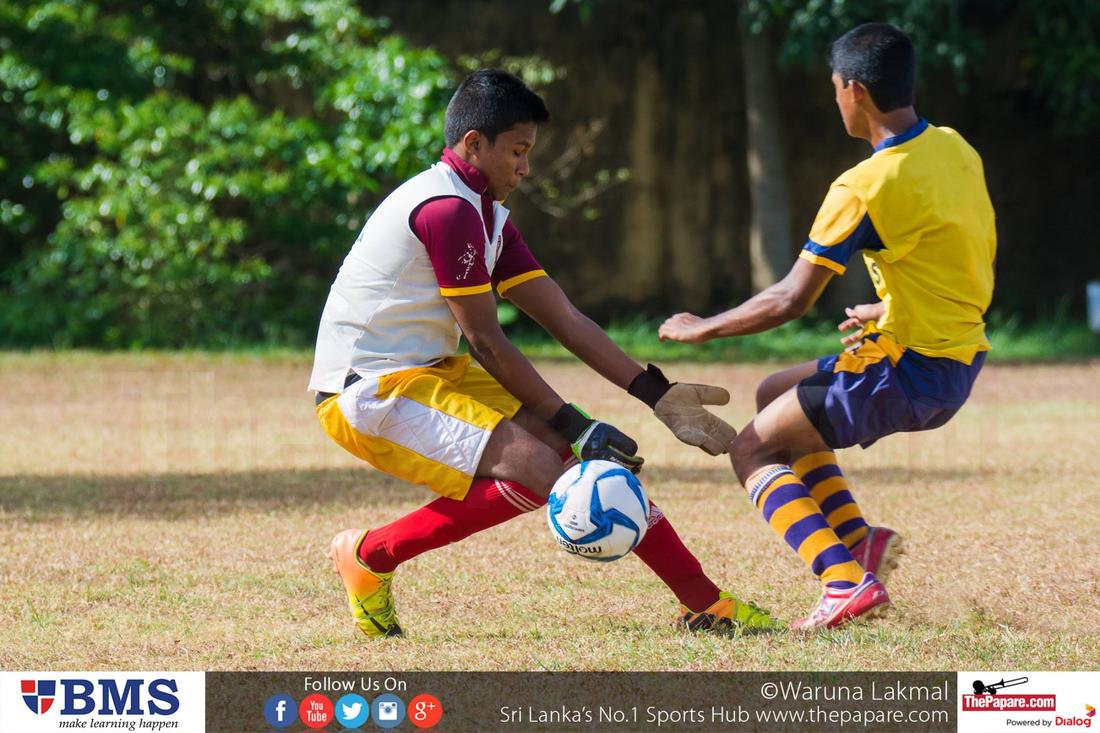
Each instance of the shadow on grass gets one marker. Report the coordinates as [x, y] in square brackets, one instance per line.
[916, 477]
[185, 496]
[722, 474]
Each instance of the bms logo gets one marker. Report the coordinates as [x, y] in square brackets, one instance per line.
[102, 697]
[38, 694]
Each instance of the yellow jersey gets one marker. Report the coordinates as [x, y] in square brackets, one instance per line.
[919, 211]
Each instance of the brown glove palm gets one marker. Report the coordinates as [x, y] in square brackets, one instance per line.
[681, 409]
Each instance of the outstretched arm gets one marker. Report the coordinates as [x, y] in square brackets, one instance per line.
[786, 300]
[477, 317]
[678, 406]
[544, 301]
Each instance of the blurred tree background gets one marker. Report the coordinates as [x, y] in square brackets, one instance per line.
[191, 172]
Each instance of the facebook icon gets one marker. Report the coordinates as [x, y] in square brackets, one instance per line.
[281, 711]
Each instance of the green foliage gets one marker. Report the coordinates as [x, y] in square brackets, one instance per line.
[1062, 57]
[584, 8]
[1058, 56]
[809, 26]
[195, 168]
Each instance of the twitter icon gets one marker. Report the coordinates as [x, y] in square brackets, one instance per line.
[352, 710]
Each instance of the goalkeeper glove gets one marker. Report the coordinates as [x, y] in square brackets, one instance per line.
[680, 408]
[594, 440]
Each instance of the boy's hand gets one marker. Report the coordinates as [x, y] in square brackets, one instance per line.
[680, 408]
[594, 440]
[858, 316]
[687, 328]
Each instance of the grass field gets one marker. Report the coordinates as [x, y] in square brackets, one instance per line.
[163, 512]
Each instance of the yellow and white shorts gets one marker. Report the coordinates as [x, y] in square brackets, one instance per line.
[428, 425]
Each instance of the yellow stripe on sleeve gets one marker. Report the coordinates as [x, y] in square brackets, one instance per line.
[519, 280]
[471, 290]
[823, 261]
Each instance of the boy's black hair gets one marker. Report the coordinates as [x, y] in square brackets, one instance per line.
[880, 57]
[491, 101]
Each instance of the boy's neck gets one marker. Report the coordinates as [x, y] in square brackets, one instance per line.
[890, 124]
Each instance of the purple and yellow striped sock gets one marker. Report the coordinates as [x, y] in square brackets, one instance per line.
[794, 516]
[823, 478]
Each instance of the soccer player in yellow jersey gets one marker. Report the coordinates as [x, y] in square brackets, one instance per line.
[918, 211]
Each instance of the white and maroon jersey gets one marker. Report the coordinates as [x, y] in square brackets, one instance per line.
[439, 234]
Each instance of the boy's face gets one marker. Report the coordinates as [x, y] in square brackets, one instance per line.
[504, 161]
[847, 100]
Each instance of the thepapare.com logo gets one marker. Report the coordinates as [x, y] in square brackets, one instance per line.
[74, 696]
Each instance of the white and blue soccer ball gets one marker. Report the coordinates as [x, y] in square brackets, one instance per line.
[598, 510]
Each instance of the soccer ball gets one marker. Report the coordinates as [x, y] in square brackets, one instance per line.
[597, 510]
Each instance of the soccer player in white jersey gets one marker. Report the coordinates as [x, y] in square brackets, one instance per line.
[490, 440]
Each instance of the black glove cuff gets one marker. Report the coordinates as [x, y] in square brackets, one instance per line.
[649, 386]
[569, 422]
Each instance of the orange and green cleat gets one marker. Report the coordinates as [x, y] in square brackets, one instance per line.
[370, 595]
[729, 615]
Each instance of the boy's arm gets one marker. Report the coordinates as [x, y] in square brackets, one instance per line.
[544, 301]
[477, 317]
[786, 300]
[678, 406]
[841, 228]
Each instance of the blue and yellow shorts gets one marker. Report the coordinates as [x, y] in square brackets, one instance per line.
[880, 388]
[428, 425]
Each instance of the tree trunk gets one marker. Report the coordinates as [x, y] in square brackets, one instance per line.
[639, 270]
[770, 247]
[689, 198]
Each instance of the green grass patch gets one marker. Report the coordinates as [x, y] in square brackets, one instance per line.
[1058, 340]
[797, 341]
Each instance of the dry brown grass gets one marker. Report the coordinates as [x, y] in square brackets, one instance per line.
[173, 512]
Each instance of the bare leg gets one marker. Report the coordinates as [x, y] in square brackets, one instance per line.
[776, 384]
[515, 454]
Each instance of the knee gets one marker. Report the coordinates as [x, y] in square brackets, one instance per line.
[768, 390]
[545, 467]
[744, 450]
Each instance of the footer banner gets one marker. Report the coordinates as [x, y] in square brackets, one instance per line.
[517, 702]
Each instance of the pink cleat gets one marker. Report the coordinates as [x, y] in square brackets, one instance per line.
[878, 552]
[836, 607]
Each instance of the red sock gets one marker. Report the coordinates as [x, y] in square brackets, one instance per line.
[568, 460]
[488, 503]
[665, 554]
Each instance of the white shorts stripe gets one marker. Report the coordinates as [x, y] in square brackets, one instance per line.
[431, 433]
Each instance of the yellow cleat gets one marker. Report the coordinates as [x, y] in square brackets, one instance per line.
[729, 615]
[369, 593]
